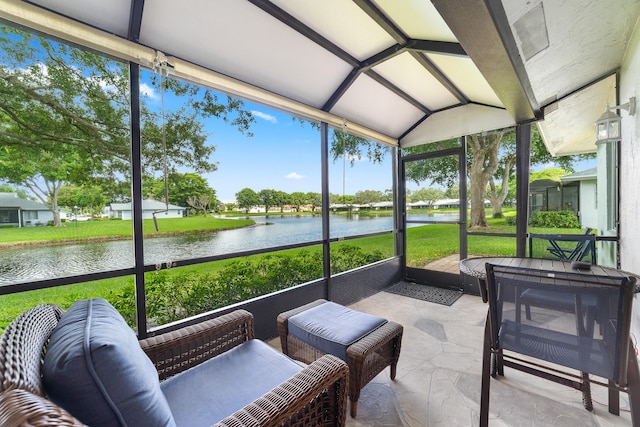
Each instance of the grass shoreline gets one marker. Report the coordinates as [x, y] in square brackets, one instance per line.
[110, 238]
[102, 231]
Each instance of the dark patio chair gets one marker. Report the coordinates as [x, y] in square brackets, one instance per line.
[576, 253]
[568, 247]
[561, 345]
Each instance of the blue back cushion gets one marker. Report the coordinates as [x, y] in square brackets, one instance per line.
[96, 370]
[331, 327]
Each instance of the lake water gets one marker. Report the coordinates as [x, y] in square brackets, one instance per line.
[46, 262]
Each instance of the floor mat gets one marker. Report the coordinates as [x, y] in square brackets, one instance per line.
[426, 293]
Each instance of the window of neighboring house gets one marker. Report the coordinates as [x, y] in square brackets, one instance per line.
[30, 215]
[4, 216]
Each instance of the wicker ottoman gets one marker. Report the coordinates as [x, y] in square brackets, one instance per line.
[367, 343]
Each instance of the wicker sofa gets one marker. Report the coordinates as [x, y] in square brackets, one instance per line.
[315, 395]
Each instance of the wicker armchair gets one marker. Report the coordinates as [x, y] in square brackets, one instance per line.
[317, 395]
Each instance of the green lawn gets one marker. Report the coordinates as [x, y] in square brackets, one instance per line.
[116, 229]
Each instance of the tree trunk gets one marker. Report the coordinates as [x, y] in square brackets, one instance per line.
[484, 154]
[48, 195]
[496, 203]
[497, 200]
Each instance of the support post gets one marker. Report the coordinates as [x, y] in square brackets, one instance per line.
[523, 155]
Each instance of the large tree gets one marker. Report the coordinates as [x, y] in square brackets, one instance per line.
[314, 199]
[269, 198]
[297, 199]
[247, 198]
[181, 187]
[85, 197]
[428, 195]
[368, 197]
[65, 120]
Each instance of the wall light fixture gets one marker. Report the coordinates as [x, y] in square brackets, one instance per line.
[608, 125]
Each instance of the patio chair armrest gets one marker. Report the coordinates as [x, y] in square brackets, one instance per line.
[317, 395]
[21, 408]
[176, 351]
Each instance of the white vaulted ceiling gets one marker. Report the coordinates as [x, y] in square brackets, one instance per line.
[400, 72]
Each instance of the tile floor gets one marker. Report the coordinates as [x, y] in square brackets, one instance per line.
[438, 377]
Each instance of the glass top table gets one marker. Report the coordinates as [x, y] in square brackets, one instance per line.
[475, 267]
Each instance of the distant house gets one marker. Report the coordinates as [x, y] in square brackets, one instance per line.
[21, 212]
[149, 206]
[421, 204]
[587, 192]
[575, 192]
[446, 204]
[382, 205]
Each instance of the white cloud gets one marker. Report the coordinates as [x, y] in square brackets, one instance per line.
[265, 116]
[294, 175]
[149, 91]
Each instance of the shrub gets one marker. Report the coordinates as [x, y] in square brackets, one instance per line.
[498, 215]
[554, 219]
[174, 295]
[510, 220]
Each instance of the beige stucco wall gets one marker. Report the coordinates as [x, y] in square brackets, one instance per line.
[630, 159]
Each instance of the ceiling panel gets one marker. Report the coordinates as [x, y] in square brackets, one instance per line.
[341, 22]
[465, 75]
[586, 41]
[454, 122]
[369, 103]
[569, 124]
[111, 16]
[411, 77]
[418, 19]
[261, 51]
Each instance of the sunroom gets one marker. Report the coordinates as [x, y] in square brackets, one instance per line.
[394, 95]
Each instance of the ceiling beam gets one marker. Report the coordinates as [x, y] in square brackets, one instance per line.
[433, 46]
[382, 20]
[482, 28]
[297, 25]
[386, 24]
[439, 75]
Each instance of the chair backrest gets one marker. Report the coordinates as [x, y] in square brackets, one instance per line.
[577, 320]
[22, 347]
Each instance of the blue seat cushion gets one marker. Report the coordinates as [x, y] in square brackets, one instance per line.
[215, 389]
[331, 327]
[95, 369]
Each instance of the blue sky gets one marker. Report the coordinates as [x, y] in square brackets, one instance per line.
[283, 155]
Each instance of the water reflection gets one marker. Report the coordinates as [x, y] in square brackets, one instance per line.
[44, 262]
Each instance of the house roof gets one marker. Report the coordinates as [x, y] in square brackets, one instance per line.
[591, 173]
[442, 202]
[401, 73]
[147, 205]
[11, 200]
